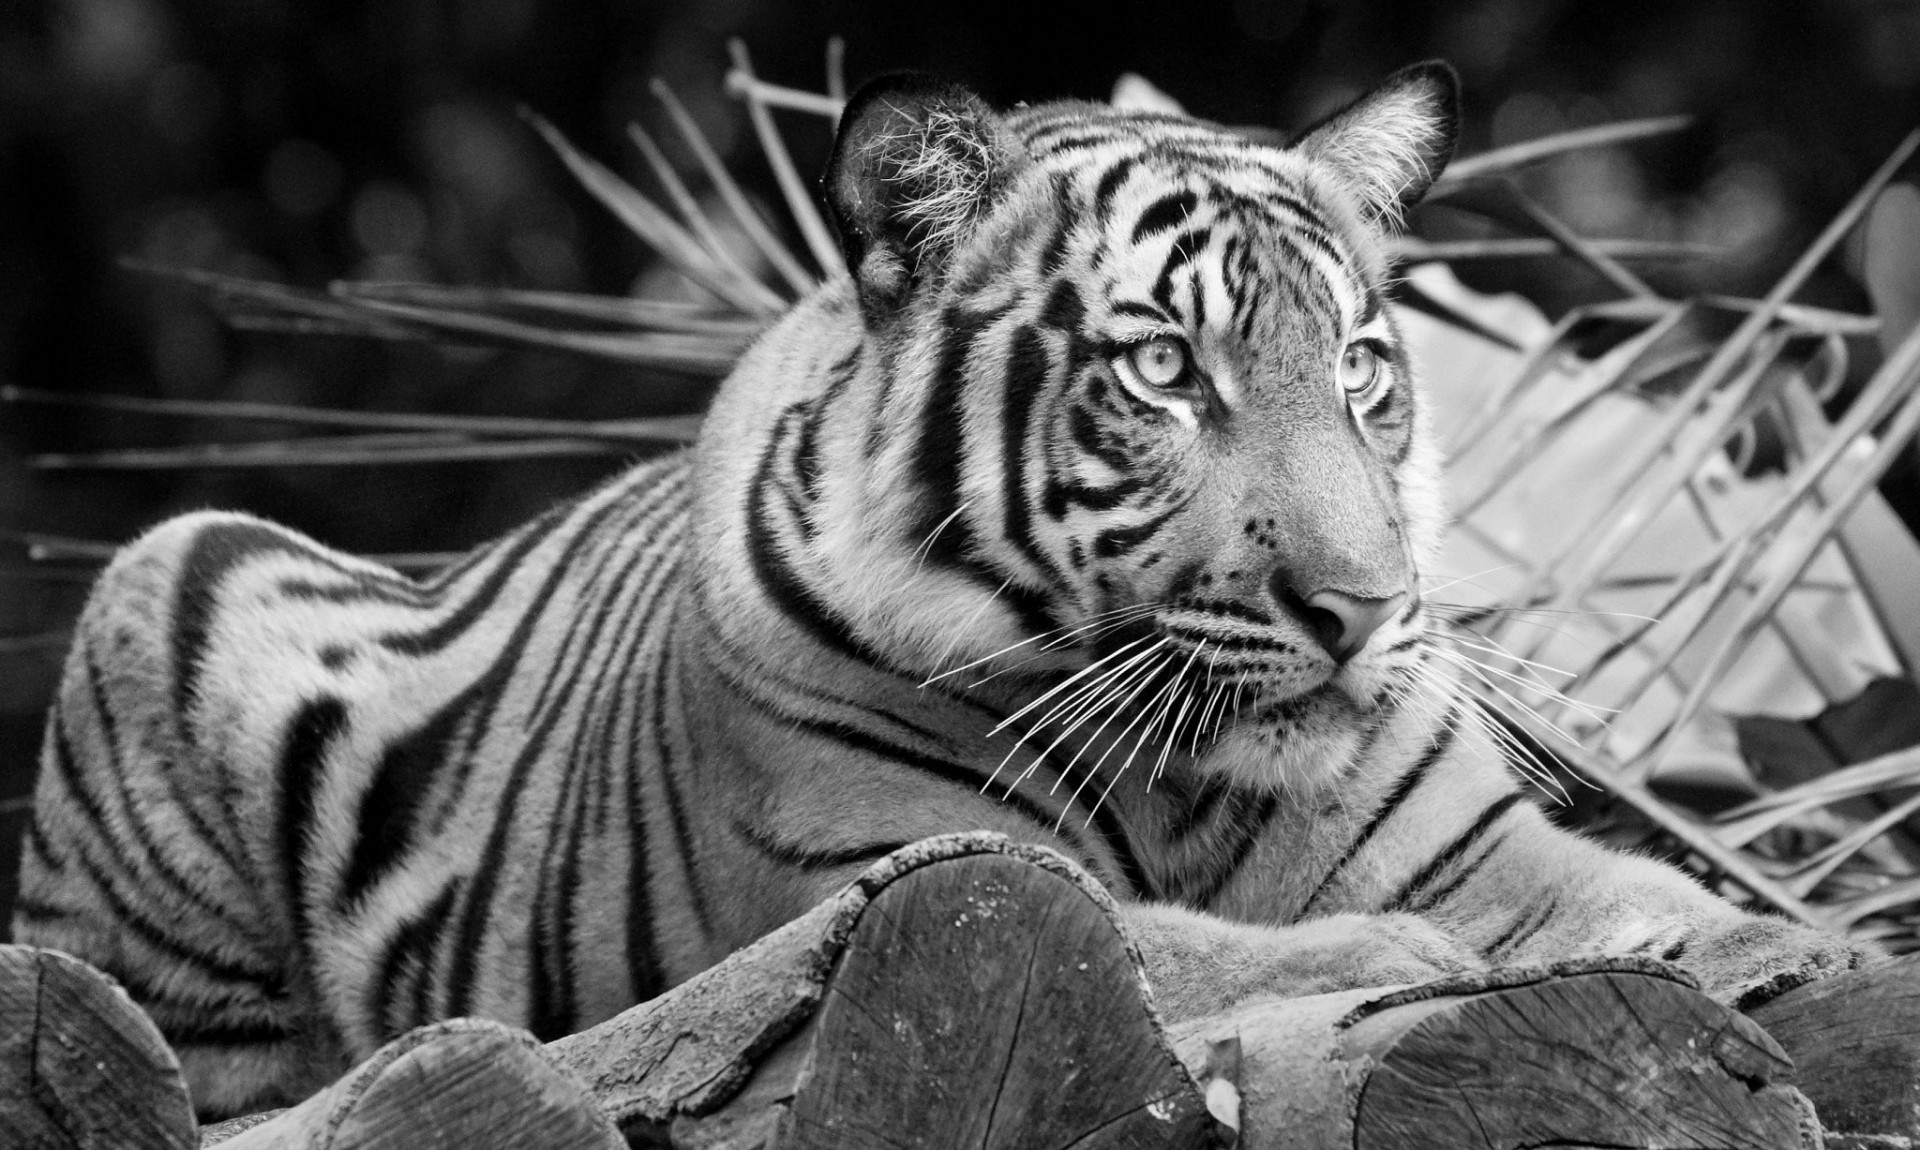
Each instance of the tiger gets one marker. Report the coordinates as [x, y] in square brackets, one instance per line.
[1089, 506]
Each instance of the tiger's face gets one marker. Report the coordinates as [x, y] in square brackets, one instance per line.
[1188, 447]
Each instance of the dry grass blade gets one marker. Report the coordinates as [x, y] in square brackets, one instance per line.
[741, 82]
[1816, 868]
[336, 451]
[1846, 912]
[798, 279]
[1747, 822]
[379, 311]
[620, 311]
[612, 430]
[1790, 560]
[1532, 151]
[231, 296]
[1586, 251]
[837, 70]
[1621, 520]
[657, 229]
[705, 354]
[1413, 249]
[1653, 347]
[1694, 837]
[1410, 295]
[1640, 493]
[684, 203]
[48, 641]
[1501, 398]
[46, 548]
[1761, 540]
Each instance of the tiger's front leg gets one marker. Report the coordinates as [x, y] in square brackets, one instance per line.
[1453, 838]
[1201, 964]
[1568, 895]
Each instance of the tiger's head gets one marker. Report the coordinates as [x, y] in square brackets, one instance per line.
[1143, 417]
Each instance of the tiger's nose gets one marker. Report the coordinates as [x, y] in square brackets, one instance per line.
[1341, 622]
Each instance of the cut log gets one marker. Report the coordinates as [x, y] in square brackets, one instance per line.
[1855, 1043]
[965, 992]
[1590, 1053]
[464, 1084]
[81, 1066]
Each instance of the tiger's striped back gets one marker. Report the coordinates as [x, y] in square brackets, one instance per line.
[299, 804]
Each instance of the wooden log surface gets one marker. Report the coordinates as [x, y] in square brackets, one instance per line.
[81, 1066]
[967, 991]
[464, 1084]
[972, 992]
[1855, 1043]
[1603, 1052]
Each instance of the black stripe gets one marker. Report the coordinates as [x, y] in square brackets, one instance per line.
[1116, 541]
[788, 854]
[1406, 785]
[551, 956]
[781, 584]
[1165, 213]
[315, 727]
[1524, 927]
[213, 554]
[476, 604]
[1199, 810]
[1064, 309]
[66, 767]
[390, 807]
[1140, 310]
[1450, 854]
[256, 1033]
[942, 443]
[205, 836]
[1028, 369]
[478, 908]
[1109, 186]
[676, 805]
[414, 940]
[156, 936]
[1250, 822]
[1065, 216]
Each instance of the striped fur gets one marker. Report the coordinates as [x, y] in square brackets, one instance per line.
[947, 556]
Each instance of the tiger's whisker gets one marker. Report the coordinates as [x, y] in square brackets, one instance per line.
[1093, 697]
[1079, 707]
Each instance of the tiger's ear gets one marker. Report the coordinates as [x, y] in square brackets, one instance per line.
[1392, 143]
[915, 165]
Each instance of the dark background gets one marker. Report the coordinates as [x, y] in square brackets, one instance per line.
[307, 141]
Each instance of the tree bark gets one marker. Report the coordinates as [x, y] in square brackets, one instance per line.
[463, 1084]
[1855, 1043]
[966, 991]
[1601, 1052]
[81, 1066]
[972, 992]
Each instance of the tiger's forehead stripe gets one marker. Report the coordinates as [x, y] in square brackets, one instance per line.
[1189, 171]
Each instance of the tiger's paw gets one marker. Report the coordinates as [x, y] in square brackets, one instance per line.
[1749, 960]
[1386, 950]
[1201, 965]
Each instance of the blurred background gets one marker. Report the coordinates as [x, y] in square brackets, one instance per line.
[382, 140]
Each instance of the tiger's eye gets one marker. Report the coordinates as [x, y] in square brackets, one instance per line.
[1159, 362]
[1359, 368]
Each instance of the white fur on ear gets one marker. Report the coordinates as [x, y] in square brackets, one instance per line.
[1392, 143]
[1133, 92]
[916, 163]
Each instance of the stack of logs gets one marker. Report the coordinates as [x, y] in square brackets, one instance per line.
[970, 992]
